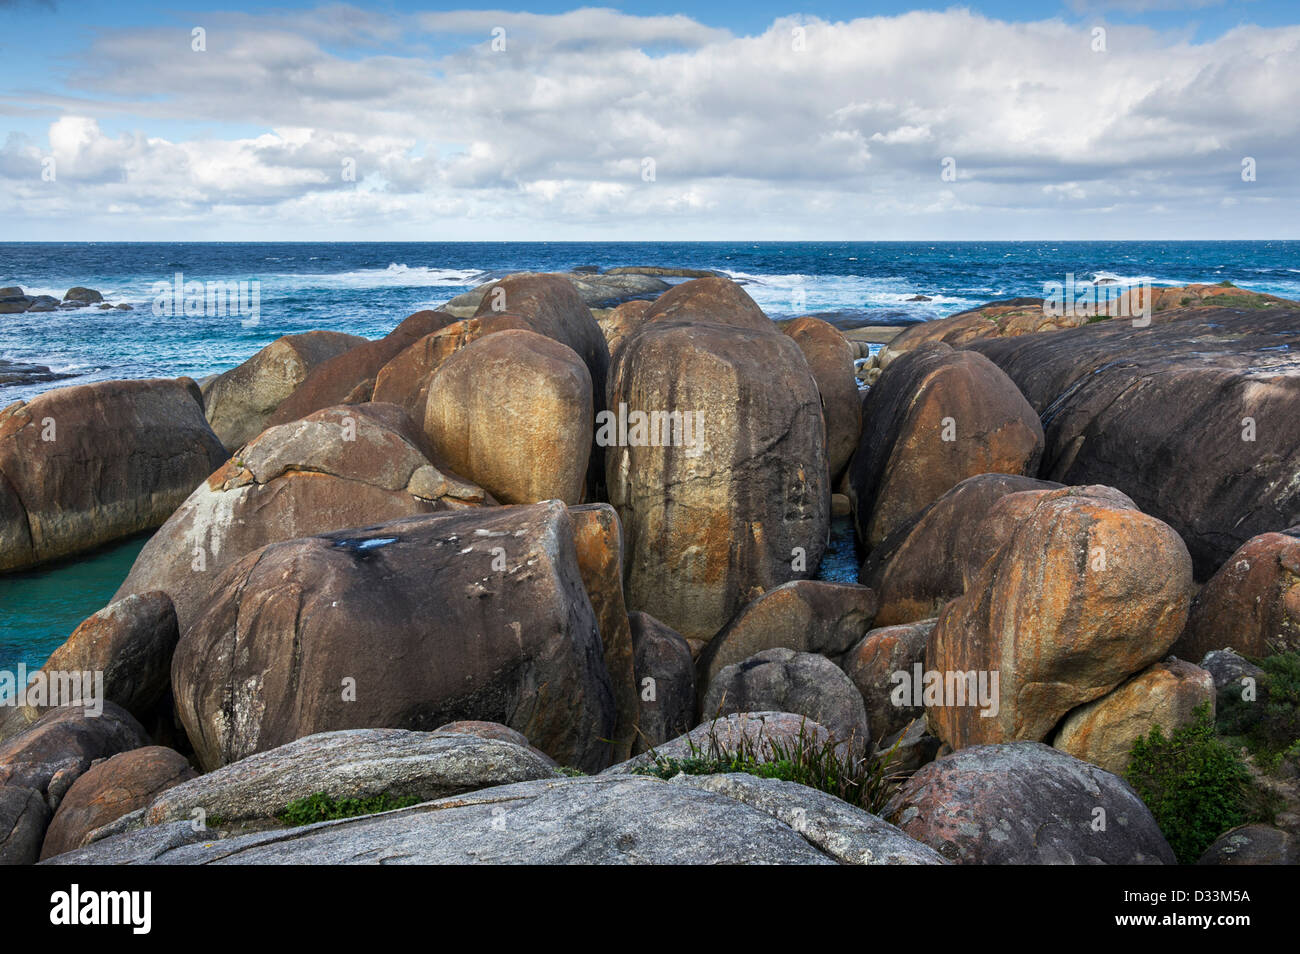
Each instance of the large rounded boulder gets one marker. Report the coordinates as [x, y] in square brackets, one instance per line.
[782, 680]
[924, 564]
[1195, 414]
[130, 642]
[1252, 604]
[404, 381]
[346, 466]
[513, 412]
[115, 787]
[714, 300]
[410, 624]
[1166, 695]
[1087, 591]
[85, 465]
[553, 308]
[240, 401]
[349, 377]
[665, 682]
[936, 417]
[810, 616]
[717, 462]
[1026, 804]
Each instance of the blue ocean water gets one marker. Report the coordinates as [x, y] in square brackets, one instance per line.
[366, 289]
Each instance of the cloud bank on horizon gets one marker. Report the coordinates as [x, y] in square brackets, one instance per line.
[338, 123]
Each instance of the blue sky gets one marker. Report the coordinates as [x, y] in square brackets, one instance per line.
[882, 120]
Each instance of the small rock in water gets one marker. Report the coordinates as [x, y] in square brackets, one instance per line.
[86, 296]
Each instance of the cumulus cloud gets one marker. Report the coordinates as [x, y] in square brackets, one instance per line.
[809, 129]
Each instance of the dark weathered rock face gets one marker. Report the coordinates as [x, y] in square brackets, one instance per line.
[85, 465]
[935, 417]
[1252, 604]
[1087, 591]
[1026, 803]
[783, 680]
[809, 616]
[926, 563]
[130, 641]
[349, 378]
[61, 745]
[744, 505]
[411, 624]
[23, 820]
[598, 540]
[1014, 317]
[348, 466]
[665, 682]
[110, 789]
[239, 402]
[603, 820]
[830, 358]
[513, 412]
[872, 663]
[1196, 417]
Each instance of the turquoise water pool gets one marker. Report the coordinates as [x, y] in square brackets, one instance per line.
[39, 608]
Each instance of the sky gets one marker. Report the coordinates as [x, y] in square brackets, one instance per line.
[796, 120]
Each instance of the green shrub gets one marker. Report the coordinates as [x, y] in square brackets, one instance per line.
[321, 807]
[1196, 786]
[807, 760]
[1269, 726]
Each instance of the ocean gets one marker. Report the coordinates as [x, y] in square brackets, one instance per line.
[368, 288]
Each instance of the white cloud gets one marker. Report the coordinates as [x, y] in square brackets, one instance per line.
[546, 138]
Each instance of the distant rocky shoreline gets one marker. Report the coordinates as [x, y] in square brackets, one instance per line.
[423, 555]
[14, 302]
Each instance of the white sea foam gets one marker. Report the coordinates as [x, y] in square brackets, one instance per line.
[396, 275]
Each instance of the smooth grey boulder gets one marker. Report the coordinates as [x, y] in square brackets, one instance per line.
[601, 820]
[1253, 845]
[353, 763]
[1227, 669]
[495, 730]
[754, 730]
[1026, 803]
[783, 680]
[23, 820]
[848, 834]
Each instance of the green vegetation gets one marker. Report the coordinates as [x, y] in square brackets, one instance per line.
[806, 760]
[321, 807]
[1268, 725]
[1226, 284]
[1196, 786]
